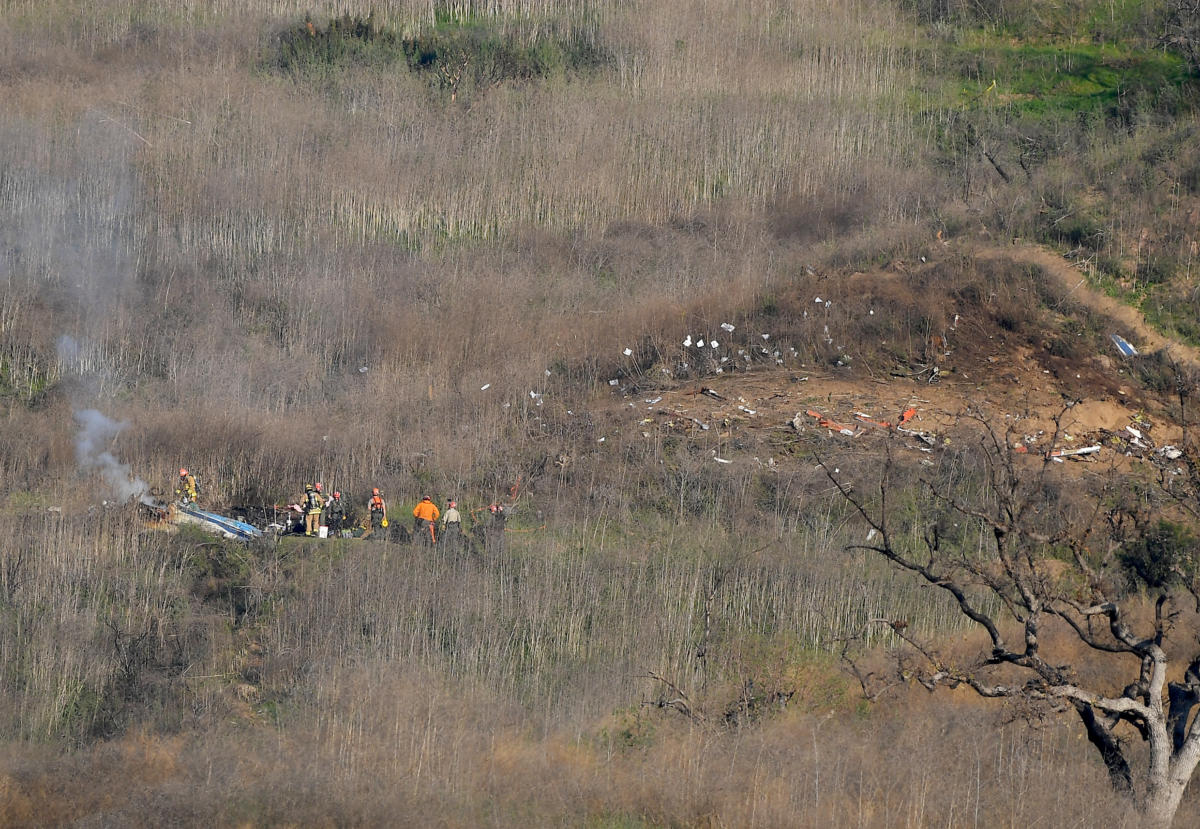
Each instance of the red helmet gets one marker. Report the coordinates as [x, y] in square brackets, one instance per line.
[317, 486]
[182, 473]
[453, 504]
[375, 491]
[337, 494]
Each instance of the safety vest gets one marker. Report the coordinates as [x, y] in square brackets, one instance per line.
[376, 504]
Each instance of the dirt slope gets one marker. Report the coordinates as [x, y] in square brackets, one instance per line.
[1074, 283]
[741, 416]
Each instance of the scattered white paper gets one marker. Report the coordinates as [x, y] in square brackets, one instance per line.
[485, 387]
[727, 327]
[628, 352]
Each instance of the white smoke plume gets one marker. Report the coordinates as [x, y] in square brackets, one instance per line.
[96, 434]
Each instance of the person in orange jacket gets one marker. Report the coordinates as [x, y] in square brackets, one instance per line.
[425, 516]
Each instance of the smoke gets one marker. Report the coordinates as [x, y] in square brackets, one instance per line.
[96, 434]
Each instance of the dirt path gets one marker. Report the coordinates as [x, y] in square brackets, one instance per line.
[1071, 280]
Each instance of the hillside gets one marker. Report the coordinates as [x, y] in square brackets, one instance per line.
[709, 294]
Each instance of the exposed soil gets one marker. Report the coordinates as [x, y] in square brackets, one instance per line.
[1017, 388]
[1075, 284]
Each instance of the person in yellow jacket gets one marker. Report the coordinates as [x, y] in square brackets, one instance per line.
[313, 503]
[425, 516]
[187, 490]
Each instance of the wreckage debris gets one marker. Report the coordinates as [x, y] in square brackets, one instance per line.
[826, 423]
[1123, 346]
[1075, 453]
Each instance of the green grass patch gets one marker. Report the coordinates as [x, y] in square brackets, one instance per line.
[1046, 78]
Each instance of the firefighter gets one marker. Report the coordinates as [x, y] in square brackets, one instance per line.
[451, 526]
[494, 534]
[312, 504]
[425, 516]
[187, 490]
[377, 510]
[335, 514]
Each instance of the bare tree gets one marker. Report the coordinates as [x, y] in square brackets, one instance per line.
[1024, 548]
[1181, 30]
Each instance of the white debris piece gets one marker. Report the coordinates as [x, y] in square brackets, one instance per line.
[713, 343]
[747, 411]
[362, 369]
[700, 343]
[727, 327]
[628, 352]
[1068, 453]
[485, 387]
[687, 341]
[547, 372]
[614, 382]
[721, 460]
[655, 400]
[818, 300]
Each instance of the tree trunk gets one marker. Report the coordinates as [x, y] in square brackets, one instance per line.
[1162, 801]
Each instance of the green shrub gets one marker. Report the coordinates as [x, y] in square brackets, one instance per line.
[454, 55]
[1160, 554]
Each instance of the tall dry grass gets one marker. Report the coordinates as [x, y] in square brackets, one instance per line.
[276, 279]
[237, 244]
[417, 753]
